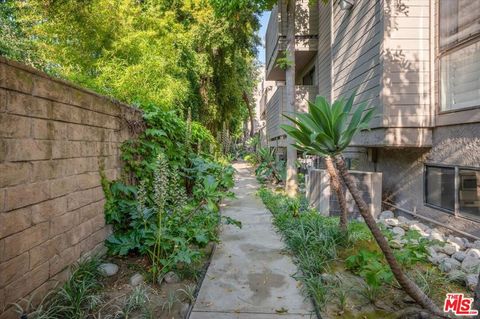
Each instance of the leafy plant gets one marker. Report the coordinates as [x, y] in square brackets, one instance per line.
[371, 266]
[75, 299]
[284, 62]
[327, 130]
[269, 168]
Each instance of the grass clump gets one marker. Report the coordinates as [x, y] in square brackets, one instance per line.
[75, 299]
[314, 239]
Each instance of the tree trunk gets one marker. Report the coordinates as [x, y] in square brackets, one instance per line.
[291, 184]
[476, 300]
[337, 187]
[250, 113]
[409, 286]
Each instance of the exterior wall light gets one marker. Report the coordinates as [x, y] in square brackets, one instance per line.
[347, 4]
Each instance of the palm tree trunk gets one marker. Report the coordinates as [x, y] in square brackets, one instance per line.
[291, 184]
[476, 300]
[409, 286]
[337, 187]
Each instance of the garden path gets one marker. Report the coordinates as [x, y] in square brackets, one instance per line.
[250, 273]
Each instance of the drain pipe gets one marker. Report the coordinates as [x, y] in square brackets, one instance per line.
[433, 221]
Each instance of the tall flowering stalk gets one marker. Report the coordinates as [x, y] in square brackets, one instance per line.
[141, 201]
[160, 189]
[177, 194]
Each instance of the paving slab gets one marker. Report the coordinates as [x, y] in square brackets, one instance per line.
[250, 275]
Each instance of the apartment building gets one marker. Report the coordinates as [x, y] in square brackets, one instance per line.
[417, 62]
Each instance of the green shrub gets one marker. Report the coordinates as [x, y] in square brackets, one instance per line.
[171, 210]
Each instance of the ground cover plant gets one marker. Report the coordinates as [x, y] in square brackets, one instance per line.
[326, 130]
[346, 274]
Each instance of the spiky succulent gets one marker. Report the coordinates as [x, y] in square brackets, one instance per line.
[326, 130]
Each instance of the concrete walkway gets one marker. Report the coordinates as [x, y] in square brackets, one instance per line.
[250, 274]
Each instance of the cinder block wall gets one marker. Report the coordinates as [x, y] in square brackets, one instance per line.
[54, 139]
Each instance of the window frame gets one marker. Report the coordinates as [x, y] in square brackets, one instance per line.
[440, 53]
[456, 212]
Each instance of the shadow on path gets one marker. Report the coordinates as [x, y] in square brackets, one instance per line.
[250, 274]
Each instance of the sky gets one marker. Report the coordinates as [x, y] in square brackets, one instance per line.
[264, 23]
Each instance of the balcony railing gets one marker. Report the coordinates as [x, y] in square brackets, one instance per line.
[276, 106]
[306, 34]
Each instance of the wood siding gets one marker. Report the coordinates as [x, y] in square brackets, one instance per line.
[324, 65]
[356, 60]
[407, 57]
[276, 106]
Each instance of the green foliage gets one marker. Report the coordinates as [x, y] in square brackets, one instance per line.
[371, 266]
[314, 239]
[414, 250]
[283, 62]
[326, 130]
[268, 168]
[75, 299]
[176, 55]
[174, 209]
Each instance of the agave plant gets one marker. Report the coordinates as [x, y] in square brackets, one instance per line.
[327, 130]
[324, 130]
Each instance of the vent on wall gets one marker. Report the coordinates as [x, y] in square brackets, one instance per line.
[321, 197]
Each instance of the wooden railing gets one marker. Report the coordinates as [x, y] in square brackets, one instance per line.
[277, 104]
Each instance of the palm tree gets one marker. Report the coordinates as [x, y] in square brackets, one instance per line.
[324, 131]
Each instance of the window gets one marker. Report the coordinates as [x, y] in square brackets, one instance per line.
[469, 192]
[453, 189]
[440, 187]
[459, 54]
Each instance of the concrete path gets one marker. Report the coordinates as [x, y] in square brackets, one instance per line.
[250, 274]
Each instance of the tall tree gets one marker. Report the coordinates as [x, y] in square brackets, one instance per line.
[155, 54]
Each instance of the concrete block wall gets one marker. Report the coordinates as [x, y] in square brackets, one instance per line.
[54, 140]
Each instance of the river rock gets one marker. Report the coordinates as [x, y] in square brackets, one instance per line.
[398, 231]
[391, 222]
[471, 264]
[328, 278]
[435, 235]
[437, 258]
[136, 280]
[476, 244]
[456, 240]
[449, 248]
[473, 252]
[386, 214]
[449, 264]
[457, 276]
[404, 222]
[418, 227]
[469, 244]
[459, 255]
[471, 281]
[395, 243]
[108, 269]
[171, 278]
